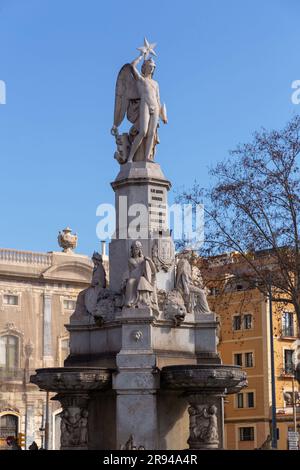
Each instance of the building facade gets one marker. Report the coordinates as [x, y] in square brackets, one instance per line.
[38, 293]
[245, 341]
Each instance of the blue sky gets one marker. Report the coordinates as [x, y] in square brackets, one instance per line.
[225, 68]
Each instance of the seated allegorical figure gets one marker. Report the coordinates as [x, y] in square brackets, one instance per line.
[192, 290]
[140, 281]
[97, 285]
[87, 299]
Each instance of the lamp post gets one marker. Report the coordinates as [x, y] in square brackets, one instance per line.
[294, 405]
[47, 422]
[274, 421]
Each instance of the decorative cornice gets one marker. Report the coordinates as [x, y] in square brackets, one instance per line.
[141, 181]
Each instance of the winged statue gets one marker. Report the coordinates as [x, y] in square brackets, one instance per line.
[137, 98]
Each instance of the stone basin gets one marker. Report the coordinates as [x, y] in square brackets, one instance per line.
[72, 379]
[204, 387]
[209, 378]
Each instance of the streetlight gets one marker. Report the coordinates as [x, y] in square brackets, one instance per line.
[274, 420]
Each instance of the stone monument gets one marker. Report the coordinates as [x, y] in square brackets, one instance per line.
[143, 370]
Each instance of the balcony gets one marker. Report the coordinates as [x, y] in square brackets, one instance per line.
[288, 332]
[287, 371]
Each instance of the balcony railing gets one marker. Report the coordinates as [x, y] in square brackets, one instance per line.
[24, 257]
[288, 331]
[288, 370]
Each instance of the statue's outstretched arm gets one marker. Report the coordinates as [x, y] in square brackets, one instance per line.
[135, 70]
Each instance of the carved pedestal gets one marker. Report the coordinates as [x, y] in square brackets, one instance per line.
[206, 421]
[74, 422]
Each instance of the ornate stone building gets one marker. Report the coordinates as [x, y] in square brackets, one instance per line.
[38, 292]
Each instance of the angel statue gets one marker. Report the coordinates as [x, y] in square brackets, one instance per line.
[137, 96]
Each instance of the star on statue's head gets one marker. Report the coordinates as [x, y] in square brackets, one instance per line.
[147, 48]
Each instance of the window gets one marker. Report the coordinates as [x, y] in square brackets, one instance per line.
[240, 400]
[289, 398]
[288, 324]
[288, 361]
[244, 360]
[238, 359]
[9, 351]
[250, 400]
[69, 304]
[249, 359]
[237, 322]
[242, 322]
[9, 299]
[248, 321]
[245, 400]
[247, 434]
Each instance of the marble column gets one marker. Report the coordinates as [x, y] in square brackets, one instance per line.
[47, 331]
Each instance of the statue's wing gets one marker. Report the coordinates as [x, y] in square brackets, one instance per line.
[126, 90]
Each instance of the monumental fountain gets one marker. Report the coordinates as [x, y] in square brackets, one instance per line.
[143, 370]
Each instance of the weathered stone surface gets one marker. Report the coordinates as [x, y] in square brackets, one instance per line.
[74, 387]
[204, 387]
[72, 379]
[208, 378]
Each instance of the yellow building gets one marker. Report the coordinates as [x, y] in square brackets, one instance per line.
[245, 341]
